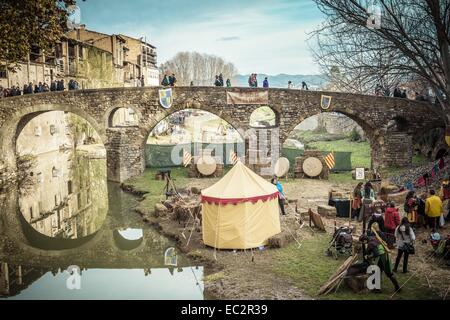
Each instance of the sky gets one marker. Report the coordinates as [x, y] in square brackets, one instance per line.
[264, 36]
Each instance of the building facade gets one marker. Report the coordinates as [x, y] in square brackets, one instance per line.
[93, 59]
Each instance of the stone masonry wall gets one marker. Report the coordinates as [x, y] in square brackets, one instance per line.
[125, 145]
[397, 150]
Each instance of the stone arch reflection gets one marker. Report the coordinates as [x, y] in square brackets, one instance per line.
[64, 195]
[128, 239]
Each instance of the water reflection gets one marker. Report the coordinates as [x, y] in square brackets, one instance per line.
[68, 197]
[132, 268]
[31, 283]
[69, 215]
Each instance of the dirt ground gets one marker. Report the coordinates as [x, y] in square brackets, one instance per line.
[249, 274]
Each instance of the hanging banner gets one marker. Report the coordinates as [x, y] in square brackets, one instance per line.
[325, 102]
[166, 98]
[251, 97]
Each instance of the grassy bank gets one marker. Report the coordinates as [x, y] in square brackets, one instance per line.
[309, 268]
[360, 150]
[305, 269]
[154, 189]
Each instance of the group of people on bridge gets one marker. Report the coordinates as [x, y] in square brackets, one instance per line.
[41, 87]
[219, 81]
[169, 81]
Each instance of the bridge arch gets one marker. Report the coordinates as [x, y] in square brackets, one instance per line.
[11, 129]
[264, 117]
[114, 111]
[124, 145]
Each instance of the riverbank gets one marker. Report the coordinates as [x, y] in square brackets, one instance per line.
[290, 272]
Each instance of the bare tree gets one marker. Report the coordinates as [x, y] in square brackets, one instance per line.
[197, 67]
[412, 45]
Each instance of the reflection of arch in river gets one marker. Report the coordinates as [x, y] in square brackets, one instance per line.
[171, 257]
[41, 241]
[128, 239]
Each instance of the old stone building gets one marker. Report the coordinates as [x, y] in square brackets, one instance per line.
[141, 60]
[93, 59]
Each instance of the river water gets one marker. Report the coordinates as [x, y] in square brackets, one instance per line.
[68, 234]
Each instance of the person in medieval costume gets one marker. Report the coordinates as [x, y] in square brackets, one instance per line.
[368, 197]
[444, 194]
[357, 200]
[378, 254]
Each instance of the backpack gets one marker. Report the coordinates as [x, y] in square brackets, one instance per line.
[406, 207]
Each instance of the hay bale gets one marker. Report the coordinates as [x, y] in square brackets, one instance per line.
[160, 210]
[195, 190]
[181, 214]
[326, 211]
[398, 197]
[391, 188]
[280, 240]
[338, 195]
[357, 282]
[168, 204]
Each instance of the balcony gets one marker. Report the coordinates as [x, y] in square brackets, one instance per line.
[148, 51]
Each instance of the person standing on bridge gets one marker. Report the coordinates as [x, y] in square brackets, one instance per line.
[304, 85]
[217, 82]
[228, 83]
[290, 85]
[172, 80]
[165, 81]
[266, 83]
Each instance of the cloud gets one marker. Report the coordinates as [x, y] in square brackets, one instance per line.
[268, 38]
[232, 38]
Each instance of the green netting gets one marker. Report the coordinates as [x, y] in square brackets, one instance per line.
[159, 156]
[342, 159]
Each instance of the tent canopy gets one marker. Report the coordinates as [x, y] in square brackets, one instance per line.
[240, 211]
[239, 185]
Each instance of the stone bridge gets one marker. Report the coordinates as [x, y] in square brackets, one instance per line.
[391, 124]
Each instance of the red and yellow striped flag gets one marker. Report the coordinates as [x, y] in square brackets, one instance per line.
[187, 157]
[329, 160]
[233, 157]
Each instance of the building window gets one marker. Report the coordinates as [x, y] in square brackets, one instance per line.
[69, 187]
[3, 73]
[53, 129]
[37, 131]
[79, 201]
[55, 172]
